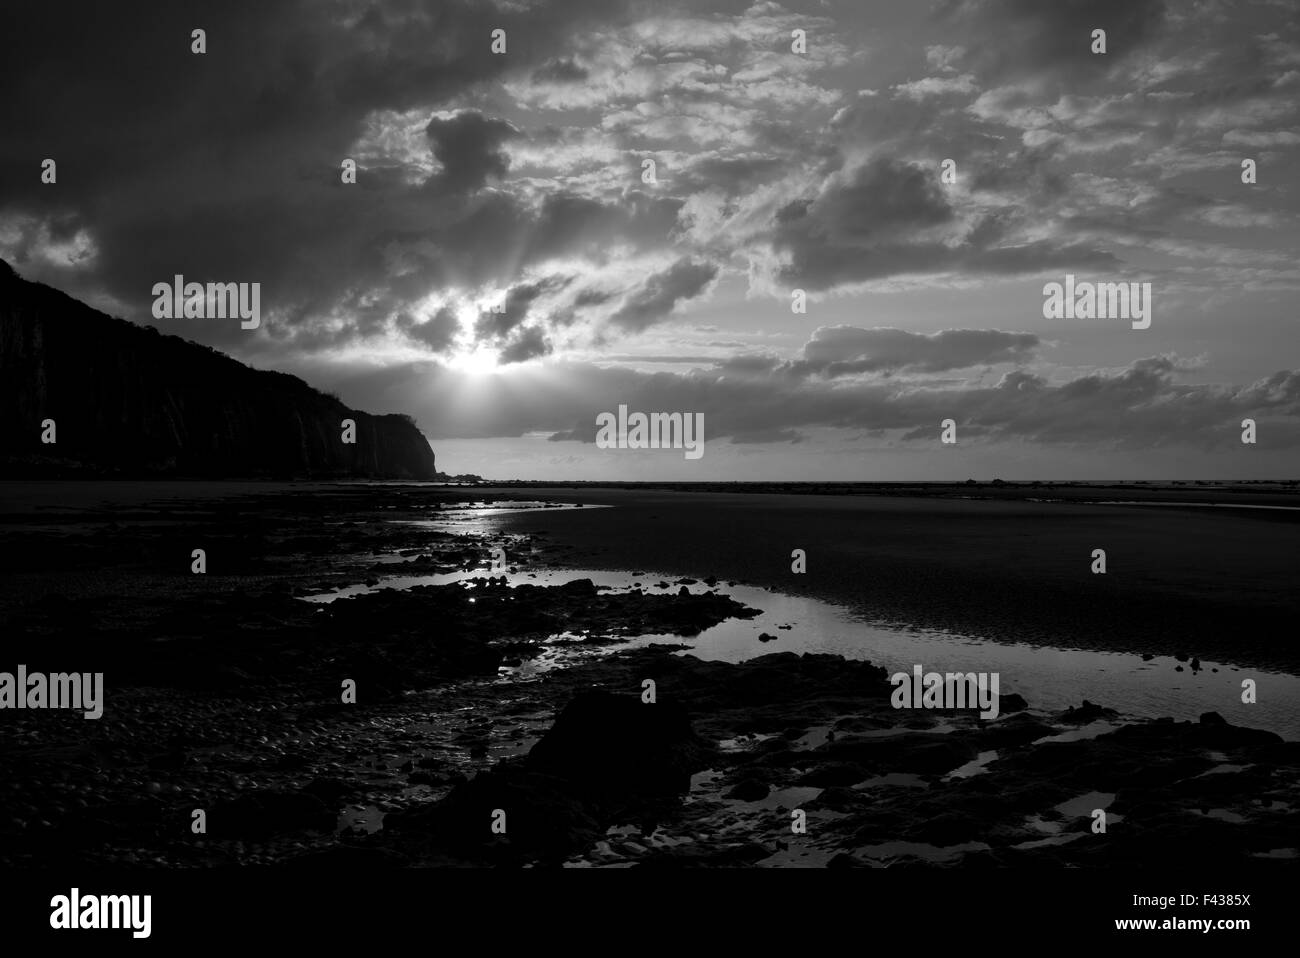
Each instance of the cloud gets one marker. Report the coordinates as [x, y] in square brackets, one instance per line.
[1143, 405]
[529, 344]
[560, 70]
[436, 332]
[889, 218]
[656, 298]
[225, 166]
[520, 174]
[468, 145]
[495, 326]
[1015, 39]
[837, 350]
[937, 86]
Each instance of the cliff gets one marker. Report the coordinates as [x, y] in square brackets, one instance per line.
[130, 401]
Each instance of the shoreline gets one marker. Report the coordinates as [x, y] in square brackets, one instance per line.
[441, 733]
[1193, 583]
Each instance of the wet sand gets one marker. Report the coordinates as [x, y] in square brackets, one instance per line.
[1188, 581]
[223, 688]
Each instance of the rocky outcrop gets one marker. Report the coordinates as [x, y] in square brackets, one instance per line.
[609, 758]
[608, 744]
[127, 400]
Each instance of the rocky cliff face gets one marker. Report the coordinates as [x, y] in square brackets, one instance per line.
[127, 400]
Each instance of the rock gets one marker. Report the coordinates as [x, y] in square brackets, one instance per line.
[911, 752]
[610, 744]
[542, 818]
[1011, 702]
[837, 799]
[1213, 718]
[160, 404]
[1087, 712]
[605, 755]
[1020, 729]
[749, 790]
[331, 791]
[948, 828]
[579, 588]
[834, 773]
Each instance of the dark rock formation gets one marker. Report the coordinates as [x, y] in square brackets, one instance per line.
[130, 401]
[607, 743]
[1087, 712]
[541, 815]
[609, 758]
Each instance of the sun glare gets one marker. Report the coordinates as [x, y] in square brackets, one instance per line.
[474, 362]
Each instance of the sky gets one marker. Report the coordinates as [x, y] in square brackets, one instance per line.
[505, 269]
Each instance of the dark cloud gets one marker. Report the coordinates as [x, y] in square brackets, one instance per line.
[568, 224]
[879, 220]
[835, 350]
[838, 351]
[1013, 39]
[876, 207]
[437, 331]
[1141, 406]
[529, 344]
[820, 172]
[592, 297]
[731, 174]
[882, 198]
[1026, 172]
[760, 436]
[495, 326]
[661, 292]
[468, 145]
[560, 70]
[225, 166]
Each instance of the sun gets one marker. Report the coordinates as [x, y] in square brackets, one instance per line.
[473, 362]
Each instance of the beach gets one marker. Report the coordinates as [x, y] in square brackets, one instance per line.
[1214, 583]
[496, 644]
